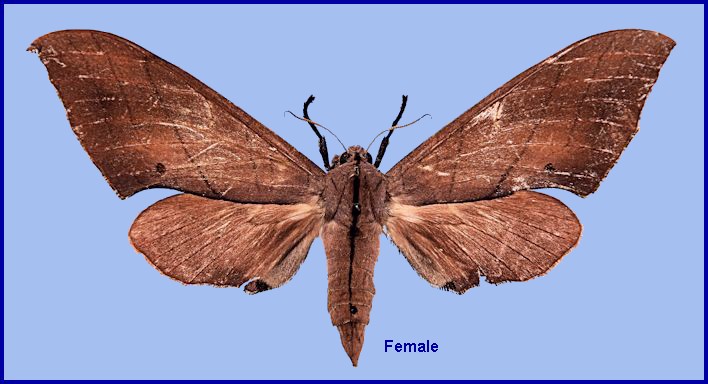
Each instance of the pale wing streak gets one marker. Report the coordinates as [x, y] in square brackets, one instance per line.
[469, 239]
[502, 96]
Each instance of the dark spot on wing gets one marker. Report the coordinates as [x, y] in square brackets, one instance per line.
[256, 286]
[449, 286]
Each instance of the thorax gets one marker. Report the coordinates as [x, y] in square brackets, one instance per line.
[356, 182]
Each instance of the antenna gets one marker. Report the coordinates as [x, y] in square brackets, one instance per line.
[390, 130]
[394, 126]
[314, 125]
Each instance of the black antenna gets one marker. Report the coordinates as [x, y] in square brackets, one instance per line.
[384, 141]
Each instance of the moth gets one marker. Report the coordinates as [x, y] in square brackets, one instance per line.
[458, 207]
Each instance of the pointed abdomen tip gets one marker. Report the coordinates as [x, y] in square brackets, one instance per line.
[352, 335]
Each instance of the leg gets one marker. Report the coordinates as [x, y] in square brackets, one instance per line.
[384, 142]
[323, 141]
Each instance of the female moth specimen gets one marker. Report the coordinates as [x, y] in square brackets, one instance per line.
[459, 206]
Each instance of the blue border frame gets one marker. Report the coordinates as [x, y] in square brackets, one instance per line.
[335, 2]
[52, 2]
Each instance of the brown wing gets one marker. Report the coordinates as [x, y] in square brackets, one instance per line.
[198, 240]
[563, 123]
[146, 123]
[512, 238]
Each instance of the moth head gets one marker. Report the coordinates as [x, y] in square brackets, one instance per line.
[352, 153]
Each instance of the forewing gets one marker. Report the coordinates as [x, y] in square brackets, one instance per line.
[512, 238]
[562, 123]
[198, 240]
[146, 123]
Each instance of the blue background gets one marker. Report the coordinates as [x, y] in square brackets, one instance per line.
[626, 303]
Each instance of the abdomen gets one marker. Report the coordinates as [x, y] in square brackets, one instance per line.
[350, 267]
[354, 200]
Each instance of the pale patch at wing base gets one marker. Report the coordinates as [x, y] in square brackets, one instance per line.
[203, 241]
[514, 238]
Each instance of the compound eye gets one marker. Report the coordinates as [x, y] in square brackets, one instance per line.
[368, 157]
[343, 159]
